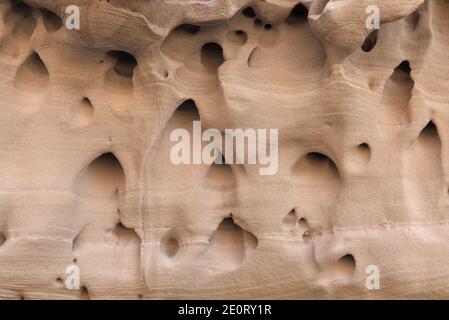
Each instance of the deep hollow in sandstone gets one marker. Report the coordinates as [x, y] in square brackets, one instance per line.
[87, 182]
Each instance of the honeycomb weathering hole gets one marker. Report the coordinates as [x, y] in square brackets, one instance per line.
[238, 37]
[429, 135]
[370, 41]
[170, 246]
[188, 106]
[52, 22]
[21, 21]
[358, 124]
[212, 55]
[230, 244]
[396, 96]
[316, 168]
[404, 67]
[120, 77]
[83, 113]
[2, 238]
[32, 75]
[126, 63]
[249, 12]
[257, 23]
[345, 267]
[126, 237]
[59, 282]
[430, 130]
[101, 178]
[290, 220]
[84, 293]
[361, 155]
[187, 29]
[298, 15]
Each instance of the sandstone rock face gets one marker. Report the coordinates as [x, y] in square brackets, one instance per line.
[88, 191]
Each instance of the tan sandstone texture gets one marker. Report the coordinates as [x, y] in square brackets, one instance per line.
[86, 180]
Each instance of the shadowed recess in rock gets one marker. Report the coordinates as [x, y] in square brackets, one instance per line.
[249, 12]
[52, 22]
[298, 15]
[120, 76]
[2, 238]
[82, 114]
[230, 245]
[32, 75]
[189, 29]
[220, 175]
[170, 246]
[238, 37]
[396, 96]
[124, 234]
[290, 220]
[21, 21]
[84, 294]
[315, 169]
[212, 56]
[370, 41]
[102, 178]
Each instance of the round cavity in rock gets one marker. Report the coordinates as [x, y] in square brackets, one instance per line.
[298, 15]
[212, 55]
[345, 267]
[52, 22]
[316, 168]
[59, 281]
[249, 12]
[239, 37]
[84, 113]
[258, 23]
[125, 63]
[370, 41]
[307, 236]
[170, 247]
[289, 221]
[188, 29]
[361, 154]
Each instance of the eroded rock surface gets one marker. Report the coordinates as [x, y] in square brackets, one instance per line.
[85, 171]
